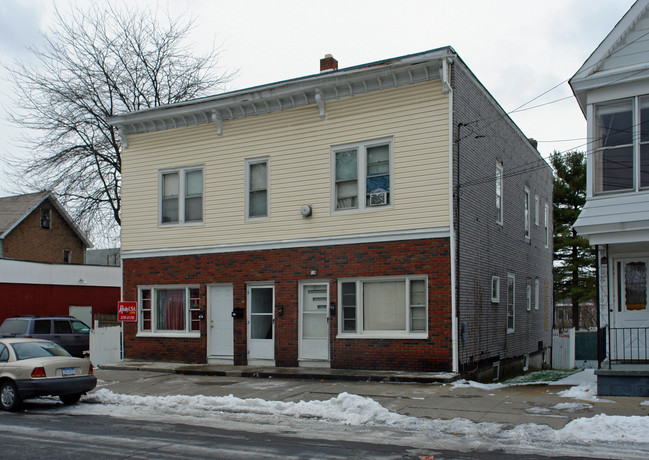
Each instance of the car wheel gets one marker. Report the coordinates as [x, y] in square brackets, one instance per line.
[9, 396]
[69, 399]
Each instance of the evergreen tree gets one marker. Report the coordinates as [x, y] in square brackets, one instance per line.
[574, 258]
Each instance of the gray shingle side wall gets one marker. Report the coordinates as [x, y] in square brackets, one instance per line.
[488, 249]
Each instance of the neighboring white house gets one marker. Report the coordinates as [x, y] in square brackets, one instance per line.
[612, 88]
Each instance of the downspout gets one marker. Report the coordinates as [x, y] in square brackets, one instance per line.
[454, 253]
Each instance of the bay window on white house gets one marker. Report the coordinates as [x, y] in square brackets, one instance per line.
[383, 307]
[181, 196]
[621, 145]
[362, 174]
[169, 310]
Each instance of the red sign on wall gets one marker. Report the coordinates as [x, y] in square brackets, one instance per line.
[126, 311]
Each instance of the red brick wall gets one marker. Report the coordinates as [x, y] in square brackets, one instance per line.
[28, 241]
[285, 267]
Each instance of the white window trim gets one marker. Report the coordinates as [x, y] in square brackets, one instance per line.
[547, 225]
[511, 277]
[360, 334]
[362, 170]
[187, 333]
[499, 193]
[536, 210]
[181, 196]
[537, 289]
[495, 296]
[528, 297]
[527, 213]
[250, 162]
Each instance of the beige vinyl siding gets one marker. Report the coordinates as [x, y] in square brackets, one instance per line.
[298, 145]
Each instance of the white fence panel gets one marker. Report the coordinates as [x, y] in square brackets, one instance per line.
[105, 344]
[563, 348]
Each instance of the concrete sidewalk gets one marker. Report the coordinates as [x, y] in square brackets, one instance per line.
[511, 405]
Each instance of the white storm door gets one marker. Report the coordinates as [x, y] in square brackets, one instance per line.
[632, 312]
[314, 322]
[220, 336]
[261, 322]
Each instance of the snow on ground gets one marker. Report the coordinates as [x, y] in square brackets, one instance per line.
[585, 392]
[628, 434]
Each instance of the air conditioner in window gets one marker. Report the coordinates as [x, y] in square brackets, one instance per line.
[378, 198]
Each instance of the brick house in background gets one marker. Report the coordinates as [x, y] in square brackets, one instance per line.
[35, 227]
[42, 257]
[384, 216]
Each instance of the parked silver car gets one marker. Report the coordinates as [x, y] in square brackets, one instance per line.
[31, 367]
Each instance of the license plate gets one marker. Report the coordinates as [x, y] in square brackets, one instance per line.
[68, 371]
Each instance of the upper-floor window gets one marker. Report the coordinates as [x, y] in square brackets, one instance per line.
[546, 225]
[536, 293]
[181, 196]
[362, 175]
[527, 215]
[495, 289]
[67, 256]
[536, 210]
[621, 145]
[46, 219]
[499, 193]
[383, 307]
[257, 188]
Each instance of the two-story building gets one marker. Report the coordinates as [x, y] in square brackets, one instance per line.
[383, 216]
[612, 88]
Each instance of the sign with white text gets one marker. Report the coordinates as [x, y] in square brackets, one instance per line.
[127, 311]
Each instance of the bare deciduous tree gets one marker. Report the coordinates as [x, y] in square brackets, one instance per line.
[97, 63]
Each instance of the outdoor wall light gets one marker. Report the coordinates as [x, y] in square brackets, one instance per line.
[306, 210]
[314, 272]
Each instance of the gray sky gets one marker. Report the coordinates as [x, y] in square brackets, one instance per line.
[518, 49]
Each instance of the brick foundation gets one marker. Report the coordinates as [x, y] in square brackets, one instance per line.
[285, 267]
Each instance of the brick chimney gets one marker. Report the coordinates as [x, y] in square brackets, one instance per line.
[328, 63]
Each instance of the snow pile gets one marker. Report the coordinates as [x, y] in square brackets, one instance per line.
[482, 386]
[585, 392]
[572, 407]
[345, 408]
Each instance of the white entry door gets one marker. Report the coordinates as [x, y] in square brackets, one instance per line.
[631, 314]
[314, 323]
[261, 323]
[220, 338]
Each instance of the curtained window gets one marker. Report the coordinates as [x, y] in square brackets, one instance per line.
[169, 310]
[394, 305]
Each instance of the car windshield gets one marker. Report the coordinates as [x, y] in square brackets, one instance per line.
[27, 350]
[14, 326]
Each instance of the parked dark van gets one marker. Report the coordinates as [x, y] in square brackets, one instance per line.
[67, 331]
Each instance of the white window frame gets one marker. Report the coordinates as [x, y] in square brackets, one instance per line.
[388, 334]
[499, 193]
[495, 289]
[361, 179]
[595, 179]
[527, 213]
[249, 163]
[546, 225]
[511, 303]
[528, 297]
[537, 289]
[182, 173]
[153, 332]
[536, 210]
